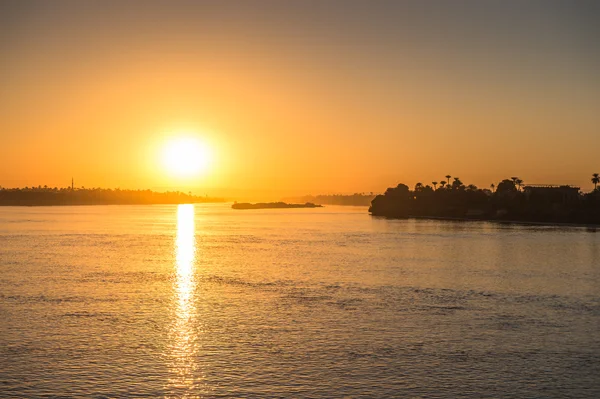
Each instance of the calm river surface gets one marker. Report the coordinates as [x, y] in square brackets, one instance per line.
[205, 301]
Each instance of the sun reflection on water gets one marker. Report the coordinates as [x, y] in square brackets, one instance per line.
[183, 339]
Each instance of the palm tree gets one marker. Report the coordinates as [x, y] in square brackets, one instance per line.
[595, 180]
[442, 184]
[518, 182]
[434, 185]
[418, 186]
[448, 177]
[456, 184]
[515, 181]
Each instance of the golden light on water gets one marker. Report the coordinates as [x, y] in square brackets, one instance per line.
[185, 244]
[183, 338]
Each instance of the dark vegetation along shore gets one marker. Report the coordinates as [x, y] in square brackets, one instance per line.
[510, 200]
[357, 199]
[44, 196]
[272, 205]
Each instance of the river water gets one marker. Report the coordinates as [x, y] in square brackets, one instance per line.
[205, 301]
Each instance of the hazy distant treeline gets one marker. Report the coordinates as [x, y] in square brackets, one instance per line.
[272, 205]
[36, 196]
[357, 199]
[509, 200]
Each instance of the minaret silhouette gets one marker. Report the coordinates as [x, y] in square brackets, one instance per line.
[72, 184]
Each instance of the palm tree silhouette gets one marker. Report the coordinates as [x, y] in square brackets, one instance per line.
[448, 177]
[434, 185]
[456, 184]
[442, 184]
[519, 182]
[595, 180]
[516, 181]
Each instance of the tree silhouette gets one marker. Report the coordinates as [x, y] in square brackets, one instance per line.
[457, 184]
[595, 180]
[519, 182]
[448, 179]
[492, 186]
[506, 186]
[442, 184]
[434, 185]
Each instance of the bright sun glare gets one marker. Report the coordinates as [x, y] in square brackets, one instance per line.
[186, 157]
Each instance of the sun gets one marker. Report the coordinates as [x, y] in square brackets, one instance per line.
[186, 157]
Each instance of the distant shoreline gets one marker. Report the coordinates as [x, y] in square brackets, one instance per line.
[70, 196]
[272, 205]
[357, 199]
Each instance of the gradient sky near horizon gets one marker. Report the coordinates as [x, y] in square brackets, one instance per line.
[298, 97]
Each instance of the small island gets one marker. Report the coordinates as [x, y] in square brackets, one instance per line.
[273, 205]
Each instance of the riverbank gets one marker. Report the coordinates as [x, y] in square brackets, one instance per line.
[559, 205]
[517, 222]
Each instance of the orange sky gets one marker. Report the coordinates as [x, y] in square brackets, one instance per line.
[335, 97]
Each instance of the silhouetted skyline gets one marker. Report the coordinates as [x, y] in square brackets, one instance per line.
[47, 196]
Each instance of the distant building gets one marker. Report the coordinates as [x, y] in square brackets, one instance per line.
[552, 193]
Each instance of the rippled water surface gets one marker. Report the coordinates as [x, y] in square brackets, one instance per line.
[205, 301]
